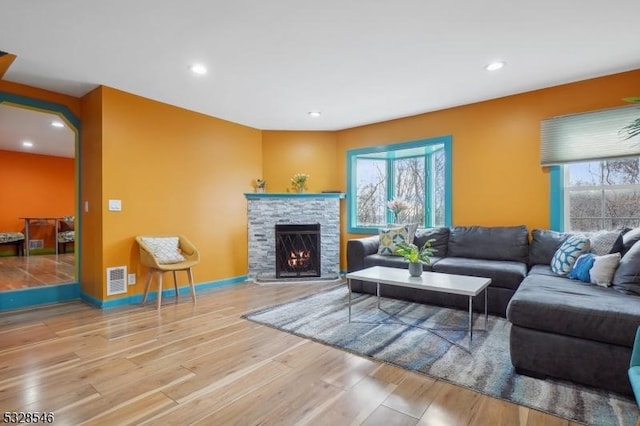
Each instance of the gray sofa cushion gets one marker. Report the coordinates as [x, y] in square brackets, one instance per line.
[629, 239]
[493, 243]
[572, 308]
[544, 244]
[441, 236]
[393, 262]
[542, 270]
[503, 273]
[627, 276]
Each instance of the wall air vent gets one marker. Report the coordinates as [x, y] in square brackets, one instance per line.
[116, 280]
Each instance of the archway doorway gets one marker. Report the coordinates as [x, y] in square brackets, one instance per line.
[48, 205]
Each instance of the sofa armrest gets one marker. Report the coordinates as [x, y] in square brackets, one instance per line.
[358, 249]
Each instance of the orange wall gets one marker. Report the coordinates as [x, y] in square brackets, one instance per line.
[286, 153]
[180, 171]
[35, 186]
[92, 270]
[497, 177]
[176, 171]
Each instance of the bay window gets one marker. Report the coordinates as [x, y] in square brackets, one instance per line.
[419, 173]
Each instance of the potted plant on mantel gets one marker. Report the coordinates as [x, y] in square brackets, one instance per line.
[416, 256]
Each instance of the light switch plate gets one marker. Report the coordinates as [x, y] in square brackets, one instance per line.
[115, 205]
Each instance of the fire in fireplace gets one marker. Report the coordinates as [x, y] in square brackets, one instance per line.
[297, 250]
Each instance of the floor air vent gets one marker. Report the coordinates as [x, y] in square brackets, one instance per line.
[116, 280]
[36, 244]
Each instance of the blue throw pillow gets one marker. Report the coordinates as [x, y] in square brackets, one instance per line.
[581, 268]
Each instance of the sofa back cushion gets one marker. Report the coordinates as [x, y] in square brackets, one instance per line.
[629, 239]
[627, 276]
[493, 243]
[544, 244]
[441, 236]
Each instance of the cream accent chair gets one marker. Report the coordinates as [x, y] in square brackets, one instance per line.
[148, 259]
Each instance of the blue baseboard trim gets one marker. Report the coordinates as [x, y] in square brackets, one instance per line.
[153, 295]
[23, 298]
[28, 297]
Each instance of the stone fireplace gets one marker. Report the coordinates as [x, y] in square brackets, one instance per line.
[290, 257]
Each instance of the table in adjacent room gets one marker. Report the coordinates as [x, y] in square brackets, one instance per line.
[28, 221]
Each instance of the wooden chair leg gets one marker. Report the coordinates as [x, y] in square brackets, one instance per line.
[147, 286]
[175, 284]
[193, 289]
[159, 288]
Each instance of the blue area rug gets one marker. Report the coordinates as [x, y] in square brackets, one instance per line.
[323, 317]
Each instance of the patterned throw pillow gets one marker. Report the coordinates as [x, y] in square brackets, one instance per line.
[389, 237]
[568, 253]
[605, 242]
[165, 249]
[604, 268]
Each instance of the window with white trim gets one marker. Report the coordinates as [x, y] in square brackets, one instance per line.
[603, 194]
[594, 160]
[419, 173]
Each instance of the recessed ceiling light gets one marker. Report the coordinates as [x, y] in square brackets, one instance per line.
[198, 69]
[494, 66]
[57, 124]
[314, 113]
[27, 144]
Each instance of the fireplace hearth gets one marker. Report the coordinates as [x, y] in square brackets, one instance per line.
[297, 250]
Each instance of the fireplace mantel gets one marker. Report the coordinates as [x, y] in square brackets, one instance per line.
[261, 195]
[265, 210]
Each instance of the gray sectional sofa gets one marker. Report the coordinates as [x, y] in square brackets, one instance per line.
[499, 253]
[561, 328]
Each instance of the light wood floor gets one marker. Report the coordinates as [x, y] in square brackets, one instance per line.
[204, 364]
[18, 272]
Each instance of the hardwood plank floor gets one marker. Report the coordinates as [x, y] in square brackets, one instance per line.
[204, 364]
[17, 272]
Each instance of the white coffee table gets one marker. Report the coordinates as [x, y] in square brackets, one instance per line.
[434, 281]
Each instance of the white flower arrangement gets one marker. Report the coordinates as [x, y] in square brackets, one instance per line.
[397, 206]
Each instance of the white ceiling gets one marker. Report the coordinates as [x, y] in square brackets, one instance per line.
[18, 125]
[357, 61]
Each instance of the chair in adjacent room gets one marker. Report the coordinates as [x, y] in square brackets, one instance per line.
[15, 239]
[634, 368]
[167, 254]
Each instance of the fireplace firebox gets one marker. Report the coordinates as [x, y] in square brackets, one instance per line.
[297, 250]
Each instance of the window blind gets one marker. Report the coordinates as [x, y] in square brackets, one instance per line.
[589, 136]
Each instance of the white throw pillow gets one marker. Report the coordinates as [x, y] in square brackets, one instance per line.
[165, 249]
[604, 268]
